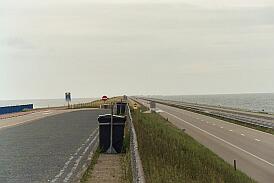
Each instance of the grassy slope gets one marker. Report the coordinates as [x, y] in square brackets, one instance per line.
[170, 155]
[96, 103]
[126, 160]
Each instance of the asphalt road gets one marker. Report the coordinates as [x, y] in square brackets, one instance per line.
[253, 150]
[50, 149]
[14, 119]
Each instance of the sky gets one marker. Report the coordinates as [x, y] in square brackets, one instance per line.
[135, 47]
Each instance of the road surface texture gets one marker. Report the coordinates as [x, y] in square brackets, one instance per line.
[253, 150]
[52, 148]
[13, 119]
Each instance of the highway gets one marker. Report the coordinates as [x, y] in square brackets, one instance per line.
[248, 117]
[253, 150]
[49, 146]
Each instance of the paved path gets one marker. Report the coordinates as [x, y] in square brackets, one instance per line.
[14, 119]
[49, 149]
[107, 169]
[253, 150]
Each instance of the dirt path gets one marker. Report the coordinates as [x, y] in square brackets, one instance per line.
[107, 169]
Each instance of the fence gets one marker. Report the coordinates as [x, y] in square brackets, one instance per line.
[136, 164]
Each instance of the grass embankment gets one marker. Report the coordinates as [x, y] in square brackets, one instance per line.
[126, 159]
[96, 103]
[170, 155]
[260, 128]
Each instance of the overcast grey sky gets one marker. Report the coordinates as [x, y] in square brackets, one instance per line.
[96, 47]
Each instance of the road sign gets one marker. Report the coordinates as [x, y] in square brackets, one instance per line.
[68, 96]
[104, 98]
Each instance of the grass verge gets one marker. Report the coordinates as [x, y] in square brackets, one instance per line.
[88, 172]
[126, 159]
[170, 155]
[96, 103]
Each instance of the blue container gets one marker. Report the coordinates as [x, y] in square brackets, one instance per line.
[13, 109]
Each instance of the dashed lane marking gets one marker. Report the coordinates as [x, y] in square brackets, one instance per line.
[236, 147]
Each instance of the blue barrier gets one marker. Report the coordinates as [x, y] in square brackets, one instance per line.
[17, 108]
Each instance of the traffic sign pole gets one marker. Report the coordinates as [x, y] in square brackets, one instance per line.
[68, 97]
[111, 150]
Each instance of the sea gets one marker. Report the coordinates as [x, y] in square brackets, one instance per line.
[42, 103]
[256, 102]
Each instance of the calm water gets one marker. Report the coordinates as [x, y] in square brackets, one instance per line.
[253, 102]
[38, 103]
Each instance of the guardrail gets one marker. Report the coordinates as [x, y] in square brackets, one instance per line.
[225, 115]
[136, 164]
[244, 119]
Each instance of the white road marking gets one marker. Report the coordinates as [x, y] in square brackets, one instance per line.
[76, 164]
[239, 126]
[71, 158]
[257, 140]
[221, 127]
[230, 130]
[242, 134]
[257, 157]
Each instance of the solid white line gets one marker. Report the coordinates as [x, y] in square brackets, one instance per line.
[76, 164]
[71, 158]
[239, 126]
[257, 157]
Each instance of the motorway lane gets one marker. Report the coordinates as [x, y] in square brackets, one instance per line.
[264, 116]
[51, 149]
[253, 150]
